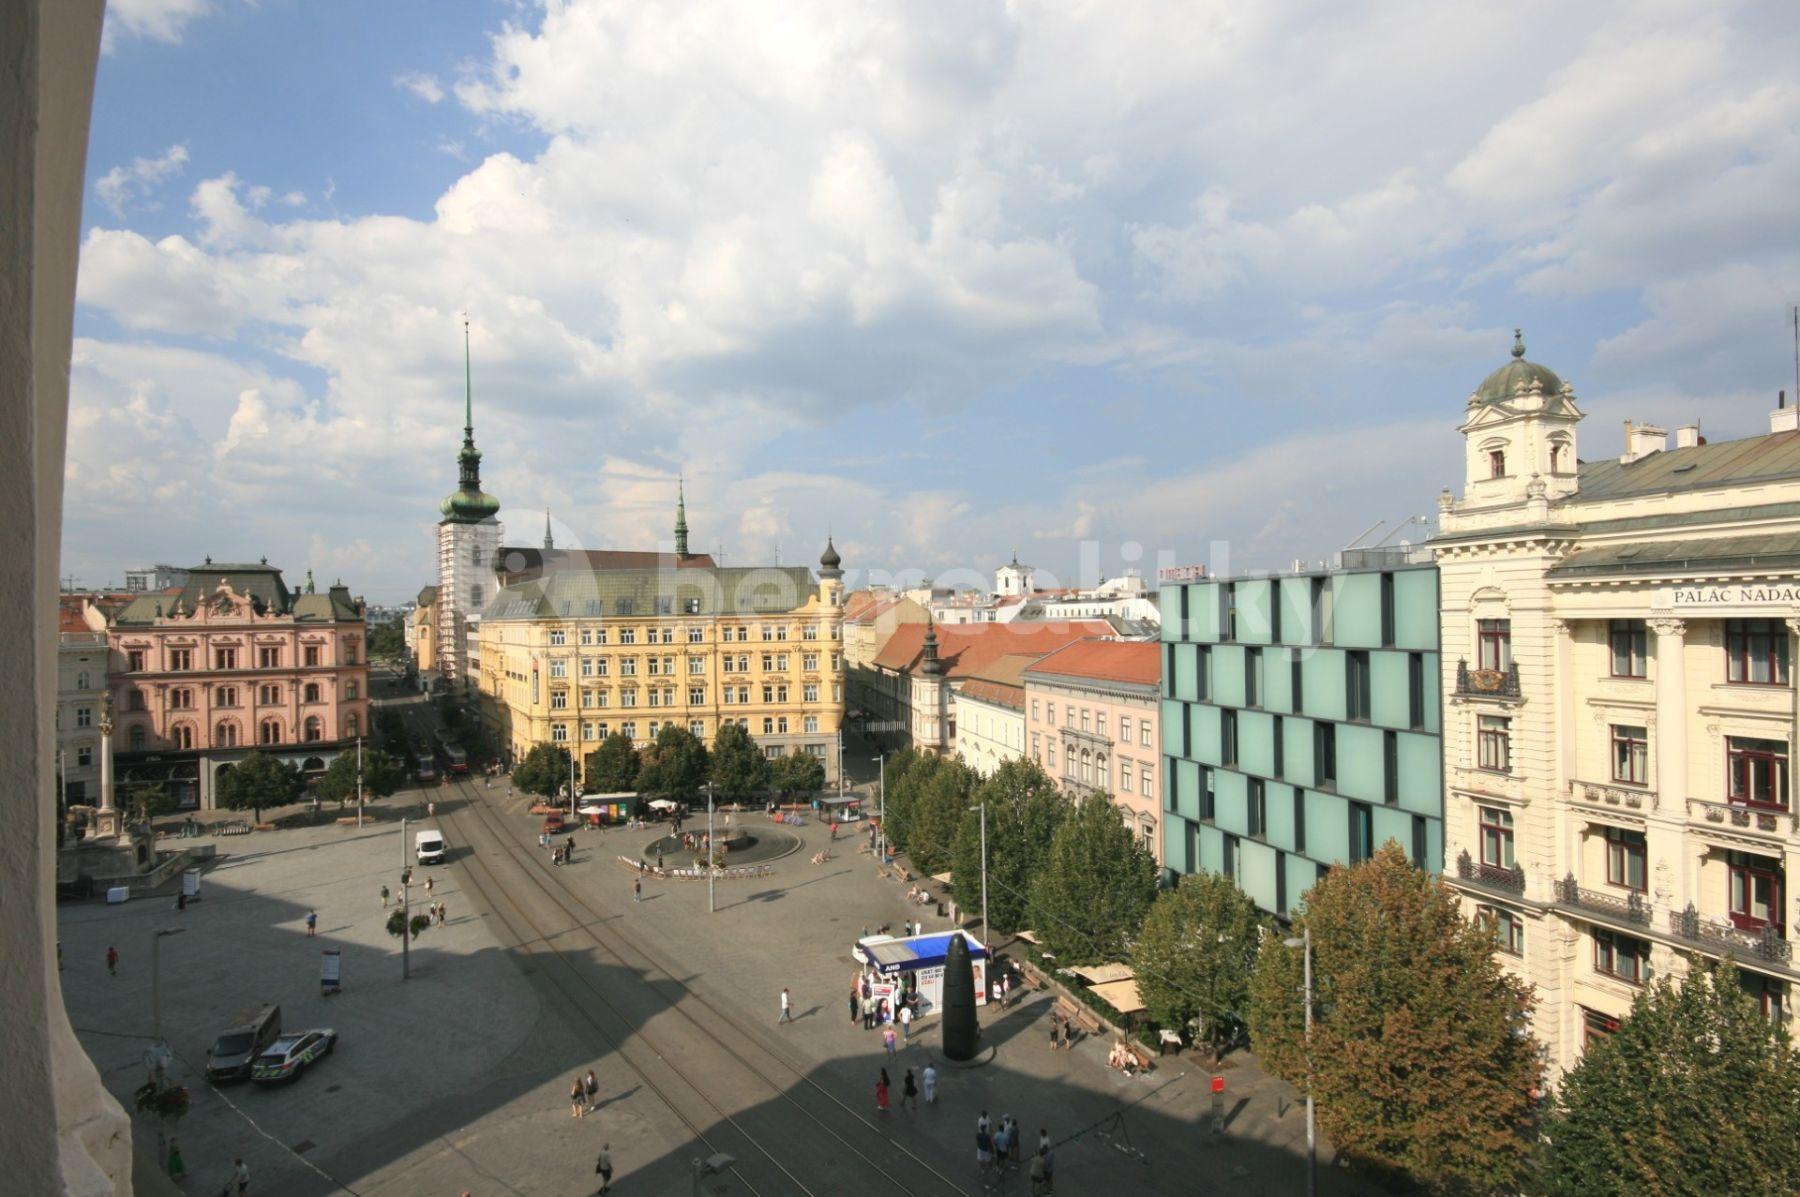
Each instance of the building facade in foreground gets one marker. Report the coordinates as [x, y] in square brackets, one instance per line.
[1300, 724]
[1618, 654]
[233, 662]
[578, 646]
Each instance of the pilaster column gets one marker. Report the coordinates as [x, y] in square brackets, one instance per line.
[1671, 714]
[1793, 625]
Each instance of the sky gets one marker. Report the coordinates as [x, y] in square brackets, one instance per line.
[1108, 285]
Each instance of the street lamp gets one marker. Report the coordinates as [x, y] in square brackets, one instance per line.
[982, 807]
[711, 872]
[881, 762]
[359, 789]
[156, 991]
[1304, 943]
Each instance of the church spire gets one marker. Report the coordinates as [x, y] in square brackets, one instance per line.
[549, 544]
[681, 528]
[468, 505]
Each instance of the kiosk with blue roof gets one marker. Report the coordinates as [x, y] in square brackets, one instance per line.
[917, 963]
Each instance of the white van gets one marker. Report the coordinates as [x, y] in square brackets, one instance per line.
[429, 847]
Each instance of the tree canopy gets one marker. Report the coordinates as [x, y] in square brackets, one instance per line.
[740, 771]
[381, 776]
[797, 775]
[1092, 892]
[257, 781]
[1641, 1113]
[1421, 1058]
[1024, 809]
[1195, 955]
[544, 771]
[674, 766]
[612, 768]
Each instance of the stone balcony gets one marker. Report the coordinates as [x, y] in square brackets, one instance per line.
[1630, 909]
[1775, 823]
[1487, 876]
[1710, 935]
[1611, 796]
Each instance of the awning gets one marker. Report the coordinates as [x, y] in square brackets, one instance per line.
[1102, 974]
[663, 804]
[1028, 937]
[941, 878]
[1120, 995]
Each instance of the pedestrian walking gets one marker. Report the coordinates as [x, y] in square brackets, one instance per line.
[909, 1091]
[592, 1085]
[112, 961]
[1001, 1146]
[982, 1123]
[312, 923]
[384, 897]
[881, 1092]
[603, 1166]
[1013, 1136]
[1043, 1140]
[443, 913]
[431, 809]
[984, 1149]
[887, 1040]
[240, 1175]
[930, 1083]
[868, 1004]
[1005, 990]
[577, 1100]
[787, 1011]
[177, 1165]
[430, 882]
[906, 1021]
[637, 889]
[855, 1005]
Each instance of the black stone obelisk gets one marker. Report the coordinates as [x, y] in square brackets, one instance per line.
[960, 1031]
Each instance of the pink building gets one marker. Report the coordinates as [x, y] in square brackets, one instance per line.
[232, 661]
[1091, 721]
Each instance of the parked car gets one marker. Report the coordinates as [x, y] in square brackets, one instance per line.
[288, 1057]
[554, 824]
[235, 1051]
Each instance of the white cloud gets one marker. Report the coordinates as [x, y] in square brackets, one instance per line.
[422, 85]
[158, 20]
[123, 186]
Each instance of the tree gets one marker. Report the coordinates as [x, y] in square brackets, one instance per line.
[391, 729]
[381, 776]
[450, 713]
[1024, 809]
[739, 769]
[1195, 955]
[673, 766]
[544, 771]
[1096, 884]
[940, 798]
[1641, 1113]
[1421, 1058]
[904, 771]
[259, 780]
[151, 800]
[797, 775]
[612, 768]
[387, 639]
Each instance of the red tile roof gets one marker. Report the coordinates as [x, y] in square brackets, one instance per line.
[1002, 681]
[1135, 662]
[966, 649]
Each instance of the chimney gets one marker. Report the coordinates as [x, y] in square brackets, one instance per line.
[1641, 440]
[1784, 418]
[1687, 436]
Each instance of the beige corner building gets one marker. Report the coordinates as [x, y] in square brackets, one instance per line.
[1620, 704]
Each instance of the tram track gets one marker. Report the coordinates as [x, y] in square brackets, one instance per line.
[755, 1068]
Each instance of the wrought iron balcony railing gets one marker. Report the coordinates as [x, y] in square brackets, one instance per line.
[1487, 683]
[1499, 877]
[1767, 944]
[1631, 909]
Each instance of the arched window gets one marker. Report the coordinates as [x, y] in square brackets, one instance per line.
[1101, 773]
[269, 732]
[312, 692]
[475, 554]
[313, 729]
[225, 734]
[135, 737]
[183, 734]
[352, 727]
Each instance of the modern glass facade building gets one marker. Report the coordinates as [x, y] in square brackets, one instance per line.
[1300, 724]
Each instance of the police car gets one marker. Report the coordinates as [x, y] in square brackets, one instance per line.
[287, 1057]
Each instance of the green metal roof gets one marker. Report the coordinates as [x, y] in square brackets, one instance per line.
[1516, 376]
[1766, 458]
[1775, 550]
[635, 593]
[261, 582]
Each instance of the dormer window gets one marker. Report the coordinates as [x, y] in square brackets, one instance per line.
[1496, 463]
[1557, 449]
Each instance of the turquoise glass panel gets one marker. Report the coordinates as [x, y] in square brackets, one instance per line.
[1421, 782]
[1302, 875]
[1434, 846]
[1297, 754]
[1256, 743]
[1256, 872]
[1390, 690]
[1359, 769]
[1205, 723]
[1187, 672]
[1277, 680]
[1187, 790]
[1231, 801]
[1175, 834]
[1357, 610]
[1255, 599]
[1212, 849]
[1322, 683]
[1174, 728]
[1227, 675]
[1169, 601]
[1430, 690]
[1203, 611]
[1296, 610]
[1416, 609]
[1327, 827]
[1396, 825]
[1279, 827]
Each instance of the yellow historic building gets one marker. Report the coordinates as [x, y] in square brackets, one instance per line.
[578, 645]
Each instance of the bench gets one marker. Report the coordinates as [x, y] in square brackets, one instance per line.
[1140, 1053]
[1074, 1014]
[1028, 972]
[902, 873]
